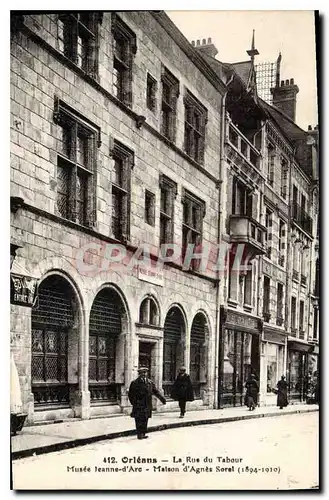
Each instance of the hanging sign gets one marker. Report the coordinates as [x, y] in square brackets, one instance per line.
[23, 290]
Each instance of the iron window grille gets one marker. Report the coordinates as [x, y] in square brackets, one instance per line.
[168, 193]
[195, 127]
[151, 89]
[121, 187]
[77, 142]
[124, 49]
[193, 213]
[78, 39]
[170, 93]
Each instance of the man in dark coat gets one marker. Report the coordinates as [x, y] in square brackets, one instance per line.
[140, 396]
[282, 391]
[252, 389]
[182, 390]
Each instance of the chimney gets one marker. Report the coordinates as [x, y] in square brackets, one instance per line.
[205, 46]
[284, 97]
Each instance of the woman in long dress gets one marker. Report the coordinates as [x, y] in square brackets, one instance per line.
[252, 392]
[282, 388]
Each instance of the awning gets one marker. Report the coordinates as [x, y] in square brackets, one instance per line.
[299, 346]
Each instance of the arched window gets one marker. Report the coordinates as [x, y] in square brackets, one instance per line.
[198, 357]
[173, 355]
[104, 328]
[148, 312]
[52, 320]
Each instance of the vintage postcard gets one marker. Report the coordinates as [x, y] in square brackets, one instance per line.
[164, 215]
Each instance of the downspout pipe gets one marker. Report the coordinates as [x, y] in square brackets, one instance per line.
[219, 234]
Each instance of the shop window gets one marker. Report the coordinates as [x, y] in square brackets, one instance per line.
[76, 165]
[193, 213]
[274, 356]
[124, 48]
[195, 127]
[149, 208]
[170, 93]
[151, 88]
[77, 36]
[168, 192]
[148, 313]
[121, 180]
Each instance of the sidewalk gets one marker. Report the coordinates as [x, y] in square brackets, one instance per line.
[48, 438]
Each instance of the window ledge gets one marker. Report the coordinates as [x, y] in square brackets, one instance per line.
[144, 325]
[232, 303]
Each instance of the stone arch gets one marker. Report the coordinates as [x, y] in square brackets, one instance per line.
[109, 324]
[174, 335]
[149, 310]
[56, 320]
[199, 346]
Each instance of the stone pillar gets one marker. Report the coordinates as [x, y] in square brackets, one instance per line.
[82, 408]
[263, 374]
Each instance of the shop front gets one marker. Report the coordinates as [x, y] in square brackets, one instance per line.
[273, 363]
[297, 368]
[239, 355]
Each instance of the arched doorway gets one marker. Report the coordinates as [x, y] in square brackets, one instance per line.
[53, 318]
[105, 327]
[173, 351]
[198, 353]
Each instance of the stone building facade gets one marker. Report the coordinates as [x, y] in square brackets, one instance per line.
[128, 143]
[115, 140]
[269, 321]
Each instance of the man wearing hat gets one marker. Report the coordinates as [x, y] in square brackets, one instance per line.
[140, 396]
[182, 390]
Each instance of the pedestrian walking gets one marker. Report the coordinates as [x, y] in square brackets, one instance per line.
[282, 392]
[252, 390]
[182, 390]
[140, 396]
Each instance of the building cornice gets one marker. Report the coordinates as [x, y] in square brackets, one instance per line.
[95, 84]
[197, 59]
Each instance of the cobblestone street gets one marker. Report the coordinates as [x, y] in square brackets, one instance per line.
[269, 453]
